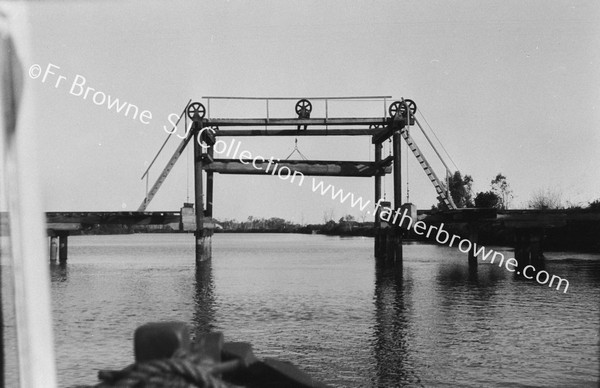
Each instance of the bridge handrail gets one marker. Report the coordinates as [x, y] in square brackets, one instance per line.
[326, 99]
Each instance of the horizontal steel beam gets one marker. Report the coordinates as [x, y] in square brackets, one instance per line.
[295, 132]
[129, 218]
[385, 133]
[299, 98]
[294, 169]
[206, 122]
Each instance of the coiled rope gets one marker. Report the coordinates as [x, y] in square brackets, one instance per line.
[183, 370]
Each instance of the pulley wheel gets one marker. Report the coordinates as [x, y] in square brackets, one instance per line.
[411, 105]
[400, 106]
[196, 109]
[303, 106]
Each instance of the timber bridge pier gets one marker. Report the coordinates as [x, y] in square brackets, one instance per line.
[395, 121]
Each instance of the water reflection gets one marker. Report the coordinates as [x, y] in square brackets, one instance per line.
[58, 271]
[326, 307]
[392, 304]
[204, 299]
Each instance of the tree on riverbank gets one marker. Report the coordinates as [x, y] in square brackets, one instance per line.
[498, 197]
[461, 190]
[487, 199]
[502, 189]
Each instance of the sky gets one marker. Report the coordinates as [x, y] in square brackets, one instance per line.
[507, 86]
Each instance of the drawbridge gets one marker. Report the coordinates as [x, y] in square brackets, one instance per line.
[204, 131]
[303, 109]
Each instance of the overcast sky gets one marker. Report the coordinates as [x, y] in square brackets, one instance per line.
[508, 86]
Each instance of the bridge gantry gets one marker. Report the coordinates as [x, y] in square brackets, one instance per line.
[394, 123]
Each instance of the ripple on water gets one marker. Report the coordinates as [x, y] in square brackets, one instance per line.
[320, 302]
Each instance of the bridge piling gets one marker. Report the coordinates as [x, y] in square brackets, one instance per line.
[388, 238]
[203, 239]
[396, 237]
[53, 247]
[63, 246]
[528, 247]
[473, 237]
[377, 224]
[209, 188]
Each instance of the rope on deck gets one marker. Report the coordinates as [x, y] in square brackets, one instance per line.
[183, 370]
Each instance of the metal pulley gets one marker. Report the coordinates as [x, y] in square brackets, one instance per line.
[303, 109]
[196, 111]
[400, 107]
[207, 135]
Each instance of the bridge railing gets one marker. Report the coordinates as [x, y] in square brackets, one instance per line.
[326, 100]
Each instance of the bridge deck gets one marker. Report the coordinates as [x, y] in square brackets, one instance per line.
[522, 218]
[518, 218]
[128, 218]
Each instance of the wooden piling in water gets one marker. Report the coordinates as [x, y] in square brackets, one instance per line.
[396, 237]
[528, 247]
[209, 188]
[63, 247]
[521, 249]
[53, 247]
[378, 235]
[473, 237]
[203, 240]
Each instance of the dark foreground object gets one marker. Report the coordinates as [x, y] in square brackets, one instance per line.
[165, 357]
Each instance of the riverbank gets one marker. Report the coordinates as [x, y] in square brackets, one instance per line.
[576, 236]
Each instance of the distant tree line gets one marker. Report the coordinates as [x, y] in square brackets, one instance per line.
[252, 224]
[500, 195]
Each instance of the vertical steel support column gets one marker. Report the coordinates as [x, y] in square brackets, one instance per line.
[378, 250]
[202, 246]
[63, 246]
[209, 187]
[397, 238]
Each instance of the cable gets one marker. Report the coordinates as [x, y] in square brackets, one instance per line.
[438, 139]
[167, 139]
[296, 150]
[187, 183]
[407, 177]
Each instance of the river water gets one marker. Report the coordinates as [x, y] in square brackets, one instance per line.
[321, 303]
